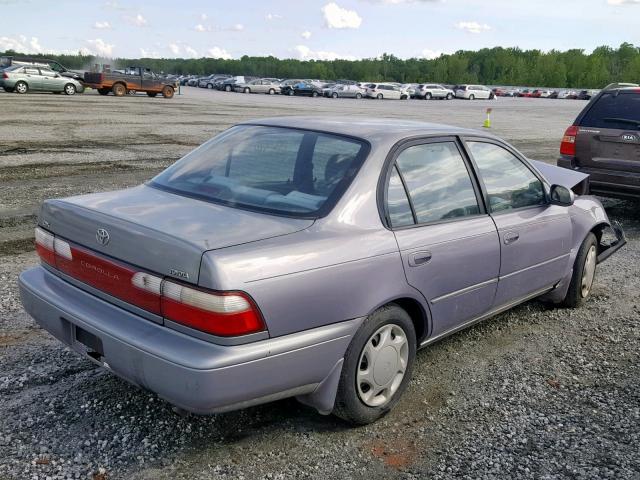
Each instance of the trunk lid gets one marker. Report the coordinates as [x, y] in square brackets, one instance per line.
[156, 230]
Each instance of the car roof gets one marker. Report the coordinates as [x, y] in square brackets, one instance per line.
[367, 128]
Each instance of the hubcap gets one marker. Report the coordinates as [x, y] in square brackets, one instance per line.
[589, 271]
[382, 365]
[21, 88]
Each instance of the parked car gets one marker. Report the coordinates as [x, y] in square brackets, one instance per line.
[526, 93]
[347, 245]
[473, 92]
[381, 91]
[539, 93]
[228, 84]
[302, 88]
[47, 64]
[586, 94]
[268, 86]
[564, 94]
[427, 91]
[22, 79]
[604, 142]
[345, 91]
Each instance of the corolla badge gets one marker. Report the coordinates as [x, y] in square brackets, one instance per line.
[629, 137]
[102, 236]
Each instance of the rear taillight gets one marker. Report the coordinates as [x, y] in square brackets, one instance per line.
[218, 313]
[5, 75]
[568, 145]
[224, 314]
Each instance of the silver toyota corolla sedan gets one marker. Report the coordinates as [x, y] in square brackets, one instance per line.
[310, 257]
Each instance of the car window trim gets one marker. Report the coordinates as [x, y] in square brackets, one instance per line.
[545, 185]
[390, 162]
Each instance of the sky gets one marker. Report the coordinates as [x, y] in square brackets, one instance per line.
[307, 29]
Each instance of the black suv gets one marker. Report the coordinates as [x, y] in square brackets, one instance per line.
[604, 142]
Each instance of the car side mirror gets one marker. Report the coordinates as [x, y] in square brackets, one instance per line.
[561, 196]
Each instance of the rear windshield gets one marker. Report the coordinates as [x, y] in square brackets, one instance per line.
[285, 171]
[620, 111]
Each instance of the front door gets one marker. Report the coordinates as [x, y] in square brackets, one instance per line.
[448, 243]
[534, 235]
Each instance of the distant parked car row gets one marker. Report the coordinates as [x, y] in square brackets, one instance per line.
[545, 93]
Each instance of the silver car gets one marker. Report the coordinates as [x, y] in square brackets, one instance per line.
[345, 91]
[22, 79]
[427, 91]
[310, 257]
[269, 86]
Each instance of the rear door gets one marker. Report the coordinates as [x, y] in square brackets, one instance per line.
[33, 78]
[609, 132]
[535, 237]
[449, 245]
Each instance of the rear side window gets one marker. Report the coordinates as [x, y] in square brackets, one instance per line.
[508, 181]
[278, 170]
[620, 111]
[398, 206]
[438, 182]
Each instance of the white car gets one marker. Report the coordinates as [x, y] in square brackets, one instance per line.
[384, 90]
[473, 92]
[427, 91]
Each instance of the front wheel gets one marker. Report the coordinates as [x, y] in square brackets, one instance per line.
[334, 95]
[247, 90]
[21, 87]
[449, 96]
[379, 97]
[167, 91]
[272, 91]
[377, 366]
[227, 88]
[314, 94]
[70, 89]
[584, 272]
[358, 96]
[472, 97]
[427, 96]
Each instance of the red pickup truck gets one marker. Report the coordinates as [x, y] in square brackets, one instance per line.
[132, 79]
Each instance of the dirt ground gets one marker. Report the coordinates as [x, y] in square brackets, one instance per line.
[533, 393]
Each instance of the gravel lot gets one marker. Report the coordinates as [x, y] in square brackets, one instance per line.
[533, 393]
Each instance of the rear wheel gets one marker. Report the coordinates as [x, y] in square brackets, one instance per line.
[358, 96]
[119, 90]
[103, 91]
[210, 86]
[152, 94]
[8, 89]
[449, 96]
[377, 366]
[70, 89]
[584, 272]
[247, 90]
[472, 97]
[334, 95]
[272, 91]
[227, 88]
[21, 87]
[291, 93]
[379, 96]
[427, 96]
[167, 91]
[314, 94]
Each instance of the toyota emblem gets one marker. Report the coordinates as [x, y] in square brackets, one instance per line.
[102, 236]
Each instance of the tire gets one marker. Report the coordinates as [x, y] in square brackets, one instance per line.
[119, 90]
[69, 89]
[379, 96]
[314, 94]
[227, 88]
[21, 87]
[357, 401]
[103, 91]
[334, 95]
[492, 96]
[358, 96]
[291, 93]
[152, 94]
[449, 96]
[168, 91]
[472, 97]
[210, 86]
[584, 271]
[9, 89]
[427, 96]
[272, 91]
[246, 90]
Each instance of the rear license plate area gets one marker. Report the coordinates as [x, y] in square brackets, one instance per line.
[88, 343]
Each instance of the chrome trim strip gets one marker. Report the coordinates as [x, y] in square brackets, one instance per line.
[464, 290]
[486, 315]
[551, 260]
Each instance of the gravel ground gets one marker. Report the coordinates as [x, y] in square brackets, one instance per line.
[533, 393]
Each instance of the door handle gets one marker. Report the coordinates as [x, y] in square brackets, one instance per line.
[511, 237]
[419, 258]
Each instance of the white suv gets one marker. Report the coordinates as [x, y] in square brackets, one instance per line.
[433, 90]
[472, 92]
[384, 90]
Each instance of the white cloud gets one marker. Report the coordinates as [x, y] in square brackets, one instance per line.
[203, 17]
[100, 47]
[138, 20]
[399, 2]
[306, 35]
[21, 44]
[305, 53]
[273, 16]
[202, 28]
[149, 53]
[174, 48]
[190, 52]
[238, 27]
[473, 27]
[337, 17]
[623, 2]
[430, 54]
[102, 25]
[114, 5]
[217, 52]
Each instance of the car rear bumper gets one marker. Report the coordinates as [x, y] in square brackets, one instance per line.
[606, 182]
[188, 372]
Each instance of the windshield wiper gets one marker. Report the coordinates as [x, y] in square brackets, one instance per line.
[622, 120]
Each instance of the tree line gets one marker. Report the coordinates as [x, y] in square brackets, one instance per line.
[489, 66]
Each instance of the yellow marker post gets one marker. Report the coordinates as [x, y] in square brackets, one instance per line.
[487, 122]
